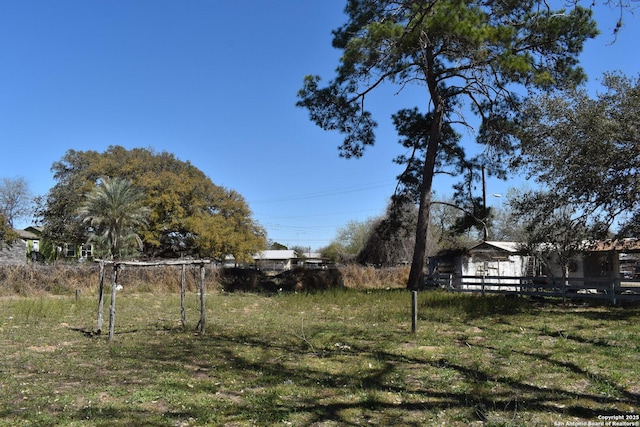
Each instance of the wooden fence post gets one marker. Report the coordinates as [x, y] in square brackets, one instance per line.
[112, 309]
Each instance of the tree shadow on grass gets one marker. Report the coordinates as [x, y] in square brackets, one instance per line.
[323, 395]
[624, 396]
[282, 379]
[475, 306]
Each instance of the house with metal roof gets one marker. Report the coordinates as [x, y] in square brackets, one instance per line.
[603, 259]
[280, 260]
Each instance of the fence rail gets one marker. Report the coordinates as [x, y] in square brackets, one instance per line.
[612, 289]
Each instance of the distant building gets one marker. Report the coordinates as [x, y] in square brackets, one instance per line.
[280, 260]
[24, 249]
[606, 259]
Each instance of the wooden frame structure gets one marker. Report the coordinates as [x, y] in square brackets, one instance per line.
[114, 285]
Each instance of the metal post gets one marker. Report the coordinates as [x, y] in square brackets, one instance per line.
[183, 315]
[100, 297]
[414, 311]
[201, 324]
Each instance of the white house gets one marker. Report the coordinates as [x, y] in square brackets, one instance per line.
[491, 262]
[503, 263]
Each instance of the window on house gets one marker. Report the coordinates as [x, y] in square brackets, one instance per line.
[69, 250]
[86, 251]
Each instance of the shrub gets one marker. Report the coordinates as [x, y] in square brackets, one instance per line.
[299, 280]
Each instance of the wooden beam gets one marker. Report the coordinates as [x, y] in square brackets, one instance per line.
[158, 263]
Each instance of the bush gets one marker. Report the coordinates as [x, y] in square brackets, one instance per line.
[298, 280]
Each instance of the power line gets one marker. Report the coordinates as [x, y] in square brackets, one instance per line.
[267, 216]
[327, 193]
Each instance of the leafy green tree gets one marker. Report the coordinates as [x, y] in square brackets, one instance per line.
[189, 214]
[586, 151]
[59, 211]
[350, 239]
[276, 246]
[7, 235]
[353, 236]
[473, 55]
[114, 212]
[552, 231]
[334, 252]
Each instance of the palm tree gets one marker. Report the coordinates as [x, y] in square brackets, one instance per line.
[114, 210]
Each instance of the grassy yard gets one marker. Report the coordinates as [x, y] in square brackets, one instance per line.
[331, 358]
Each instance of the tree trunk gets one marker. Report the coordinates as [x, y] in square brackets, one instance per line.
[422, 228]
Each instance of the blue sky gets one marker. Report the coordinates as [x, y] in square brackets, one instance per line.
[215, 83]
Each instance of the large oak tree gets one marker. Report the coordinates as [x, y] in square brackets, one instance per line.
[472, 56]
[189, 214]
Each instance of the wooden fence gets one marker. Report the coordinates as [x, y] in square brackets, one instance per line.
[611, 289]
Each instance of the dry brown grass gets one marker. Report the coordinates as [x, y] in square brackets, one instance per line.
[359, 277]
[64, 278]
[34, 279]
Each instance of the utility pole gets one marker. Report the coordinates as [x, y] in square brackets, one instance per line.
[484, 206]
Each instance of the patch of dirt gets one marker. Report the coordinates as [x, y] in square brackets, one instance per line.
[43, 348]
[233, 397]
[476, 340]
